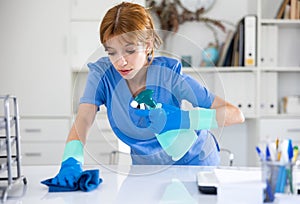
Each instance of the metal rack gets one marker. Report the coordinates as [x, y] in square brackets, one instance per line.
[10, 146]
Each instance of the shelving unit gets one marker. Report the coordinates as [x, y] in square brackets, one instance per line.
[218, 69]
[287, 46]
[277, 78]
[8, 143]
[270, 83]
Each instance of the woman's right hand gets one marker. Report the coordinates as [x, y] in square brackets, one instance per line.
[69, 173]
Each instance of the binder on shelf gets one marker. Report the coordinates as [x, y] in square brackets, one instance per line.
[287, 12]
[273, 45]
[249, 95]
[235, 49]
[298, 10]
[238, 45]
[294, 11]
[269, 45]
[269, 96]
[264, 45]
[244, 96]
[282, 9]
[225, 48]
[241, 42]
[229, 53]
[250, 23]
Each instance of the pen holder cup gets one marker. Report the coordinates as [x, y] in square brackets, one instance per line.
[278, 178]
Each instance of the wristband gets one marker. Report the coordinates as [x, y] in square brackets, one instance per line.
[203, 119]
[74, 148]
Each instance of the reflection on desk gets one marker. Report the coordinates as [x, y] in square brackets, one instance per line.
[121, 184]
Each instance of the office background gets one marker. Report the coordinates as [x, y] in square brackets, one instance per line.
[45, 45]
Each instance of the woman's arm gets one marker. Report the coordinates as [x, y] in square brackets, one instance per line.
[84, 120]
[226, 113]
[71, 170]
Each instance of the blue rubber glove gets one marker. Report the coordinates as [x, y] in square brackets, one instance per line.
[169, 117]
[138, 120]
[69, 173]
[70, 176]
[163, 119]
[87, 181]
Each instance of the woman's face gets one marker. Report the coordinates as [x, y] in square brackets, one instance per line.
[128, 58]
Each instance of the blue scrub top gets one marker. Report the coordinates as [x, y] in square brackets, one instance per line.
[105, 86]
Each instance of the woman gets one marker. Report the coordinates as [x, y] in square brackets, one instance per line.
[128, 35]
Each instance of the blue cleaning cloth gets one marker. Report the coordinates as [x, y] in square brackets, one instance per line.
[88, 181]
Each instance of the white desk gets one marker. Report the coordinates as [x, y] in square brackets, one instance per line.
[144, 184]
[121, 184]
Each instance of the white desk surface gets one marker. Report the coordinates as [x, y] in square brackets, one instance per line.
[144, 184]
[121, 184]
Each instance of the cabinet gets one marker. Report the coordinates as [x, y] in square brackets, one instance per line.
[34, 56]
[101, 141]
[43, 140]
[286, 128]
[35, 67]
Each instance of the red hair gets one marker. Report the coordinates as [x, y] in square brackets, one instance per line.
[131, 19]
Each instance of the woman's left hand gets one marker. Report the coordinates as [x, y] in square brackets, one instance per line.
[163, 119]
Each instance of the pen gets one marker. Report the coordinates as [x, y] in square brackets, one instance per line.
[290, 150]
[290, 178]
[296, 152]
[277, 144]
[281, 179]
[270, 195]
[260, 154]
[272, 150]
[268, 154]
[278, 153]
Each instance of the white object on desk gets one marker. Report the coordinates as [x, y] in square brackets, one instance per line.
[244, 184]
[207, 182]
[242, 192]
[286, 199]
[237, 175]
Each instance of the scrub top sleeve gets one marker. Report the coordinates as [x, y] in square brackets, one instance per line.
[187, 88]
[93, 93]
[177, 66]
[184, 87]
